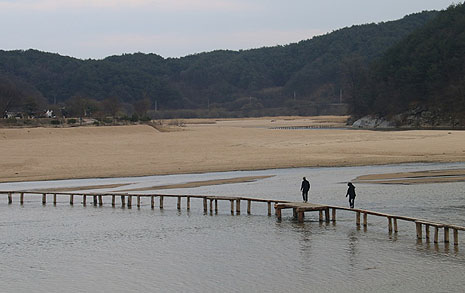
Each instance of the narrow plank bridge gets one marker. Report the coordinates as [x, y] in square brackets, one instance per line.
[327, 213]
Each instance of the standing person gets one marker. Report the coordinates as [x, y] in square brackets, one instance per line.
[351, 194]
[305, 187]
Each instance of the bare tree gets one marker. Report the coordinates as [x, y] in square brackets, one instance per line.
[9, 95]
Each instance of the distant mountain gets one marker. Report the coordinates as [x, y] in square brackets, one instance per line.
[423, 76]
[300, 78]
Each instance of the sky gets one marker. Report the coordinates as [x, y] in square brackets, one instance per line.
[175, 28]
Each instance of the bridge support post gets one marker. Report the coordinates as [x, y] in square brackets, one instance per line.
[446, 234]
[419, 231]
[427, 232]
[249, 204]
[436, 234]
[456, 237]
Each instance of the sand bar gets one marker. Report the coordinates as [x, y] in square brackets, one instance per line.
[212, 145]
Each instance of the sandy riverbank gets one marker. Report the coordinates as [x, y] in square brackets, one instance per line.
[212, 145]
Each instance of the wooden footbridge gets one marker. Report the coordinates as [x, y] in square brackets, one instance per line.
[327, 213]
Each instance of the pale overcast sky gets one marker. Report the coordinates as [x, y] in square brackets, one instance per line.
[174, 28]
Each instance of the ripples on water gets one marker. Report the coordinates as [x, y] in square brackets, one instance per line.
[66, 248]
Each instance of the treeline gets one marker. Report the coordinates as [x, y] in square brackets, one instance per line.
[424, 74]
[301, 78]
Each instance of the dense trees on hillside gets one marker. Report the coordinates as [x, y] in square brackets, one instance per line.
[300, 78]
[424, 72]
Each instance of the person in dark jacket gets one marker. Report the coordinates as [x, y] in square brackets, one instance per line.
[351, 194]
[305, 187]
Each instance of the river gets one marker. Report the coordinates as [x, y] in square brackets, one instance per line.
[63, 248]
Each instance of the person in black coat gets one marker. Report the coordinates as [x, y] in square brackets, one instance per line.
[305, 187]
[351, 194]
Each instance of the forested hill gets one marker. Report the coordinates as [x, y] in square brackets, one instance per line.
[292, 78]
[423, 75]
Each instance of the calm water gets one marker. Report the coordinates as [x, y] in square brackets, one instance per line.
[66, 248]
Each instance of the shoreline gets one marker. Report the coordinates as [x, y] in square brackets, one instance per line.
[33, 179]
